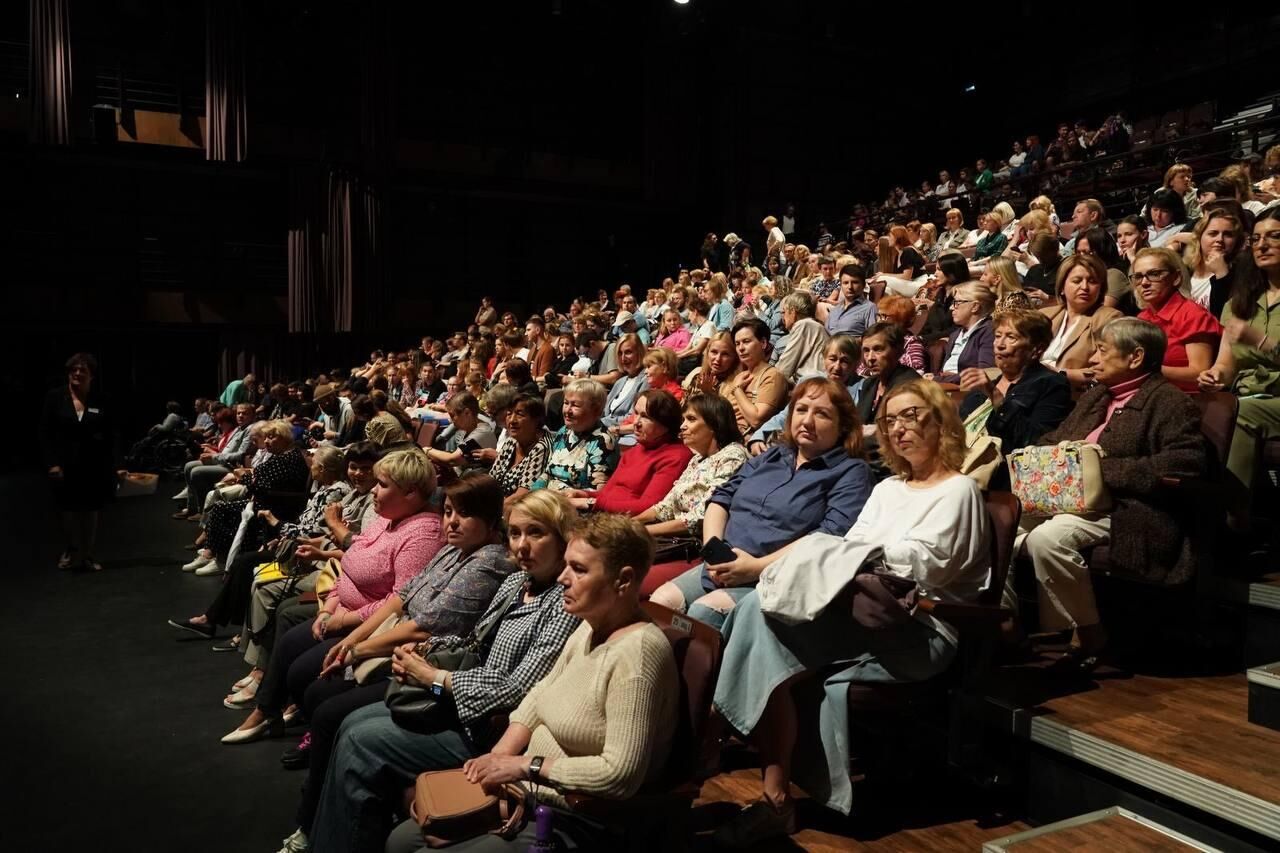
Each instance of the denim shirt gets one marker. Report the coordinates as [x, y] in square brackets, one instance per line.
[771, 502]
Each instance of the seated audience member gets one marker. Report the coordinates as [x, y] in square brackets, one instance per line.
[1096, 242]
[217, 459]
[840, 365]
[286, 470]
[660, 372]
[1077, 318]
[1147, 430]
[901, 310]
[631, 381]
[566, 356]
[804, 340]
[824, 285]
[854, 312]
[969, 344]
[815, 479]
[1020, 399]
[1168, 215]
[469, 428]
[882, 348]
[583, 452]
[647, 471]
[1192, 335]
[674, 335]
[720, 307]
[993, 241]
[935, 300]
[900, 266]
[702, 331]
[929, 241]
[375, 759]
[710, 432]
[444, 598]
[387, 552]
[933, 527]
[173, 422]
[953, 238]
[525, 449]
[516, 375]
[719, 366]
[1001, 275]
[1249, 360]
[615, 687]
[1216, 243]
[1131, 236]
[1038, 283]
[758, 389]
[335, 416]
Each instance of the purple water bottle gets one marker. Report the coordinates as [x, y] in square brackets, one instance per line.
[543, 839]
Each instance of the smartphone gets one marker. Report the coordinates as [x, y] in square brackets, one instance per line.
[717, 551]
[470, 446]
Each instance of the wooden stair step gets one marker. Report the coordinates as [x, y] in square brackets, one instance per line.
[1115, 830]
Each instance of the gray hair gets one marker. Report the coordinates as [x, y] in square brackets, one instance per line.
[1129, 333]
[499, 398]
[590, 390]
[331, 460]
[801, 302]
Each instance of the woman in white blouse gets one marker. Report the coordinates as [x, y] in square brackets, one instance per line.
[710, 430]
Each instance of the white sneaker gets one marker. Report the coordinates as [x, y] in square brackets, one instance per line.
[296, 843]
[202, 559]
[181, 496]
[209, 568]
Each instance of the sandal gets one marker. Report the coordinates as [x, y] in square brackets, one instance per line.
[67, 559]
[243, 683]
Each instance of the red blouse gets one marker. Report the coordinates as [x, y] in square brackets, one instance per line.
[1183, 322]
[643, 477]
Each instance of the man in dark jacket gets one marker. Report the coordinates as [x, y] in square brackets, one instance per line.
[1148, 430]
[882, 347]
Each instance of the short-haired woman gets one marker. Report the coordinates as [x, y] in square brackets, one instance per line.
[615, 687]
[583, 451]
[375, 759]
[525, 450]
[932, 526]
[759, 389]
[992, 242]
[815, 479]
[1076, 321]
[953, 238]
[660, 369]
[468, 427]
[1168, 215]
[969, 344]
[901, 310]
[1193, 334]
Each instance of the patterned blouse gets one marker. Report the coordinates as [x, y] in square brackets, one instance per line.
[687, 500]
[512, 475]
[450, 593]
[311, 521]
[579, 460]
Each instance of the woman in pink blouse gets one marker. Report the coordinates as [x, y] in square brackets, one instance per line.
[383, 557]
[675, 335]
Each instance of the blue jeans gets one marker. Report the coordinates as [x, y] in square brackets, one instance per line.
[691, 587]
[373, 762]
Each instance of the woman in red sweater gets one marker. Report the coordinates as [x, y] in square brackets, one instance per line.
[647, 471]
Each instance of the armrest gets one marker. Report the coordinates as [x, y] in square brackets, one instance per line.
[308, 597]
[967, 617]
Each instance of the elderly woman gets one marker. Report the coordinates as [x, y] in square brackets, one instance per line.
[815, 479]
[285, 471]
[387, 554]
[217, 459]
[525, 450]
[719, 366]
[1147, 430]
[1168, 215]
[1216, 243]
[932, 526]
[623, 394]
[1077, 319]
[1191, 332]
[953, 238]
[375, 759]
[1249, 361]
[583, 452]
[840, 364]
[445, 598]
[647, 471]
[969, 344]
[614, 686]
[758, 390]
[1020, 399]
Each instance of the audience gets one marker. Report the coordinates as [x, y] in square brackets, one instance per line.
[758, 389]
[854, 312]
[583, 451]
[1077, 318]
[1191, 333]
[969, 344]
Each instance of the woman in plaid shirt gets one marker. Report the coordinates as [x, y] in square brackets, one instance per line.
[374, 759]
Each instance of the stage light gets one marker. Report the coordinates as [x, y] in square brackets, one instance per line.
[971, 88]
[682, 2]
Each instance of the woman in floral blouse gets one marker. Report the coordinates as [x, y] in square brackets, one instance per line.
[583, 452]
[710, 430]
[524, 451]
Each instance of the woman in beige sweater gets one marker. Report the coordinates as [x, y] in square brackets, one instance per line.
[600, 723]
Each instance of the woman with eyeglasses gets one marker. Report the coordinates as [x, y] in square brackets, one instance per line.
[1192, 332]
[969, 344]
[933, 527]
[1249, 359]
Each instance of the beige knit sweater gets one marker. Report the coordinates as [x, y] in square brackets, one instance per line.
[606, 715]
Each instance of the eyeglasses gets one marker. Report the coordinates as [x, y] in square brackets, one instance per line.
[1272, 238]
[1155, 276]
[955, 302]
[907, 417]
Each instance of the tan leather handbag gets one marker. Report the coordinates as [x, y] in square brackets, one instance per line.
[450, 809]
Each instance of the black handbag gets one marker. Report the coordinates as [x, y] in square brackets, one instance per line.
[669, 549]
[424, 710]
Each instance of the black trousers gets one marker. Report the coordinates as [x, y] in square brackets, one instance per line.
[327, 703]
[296, 660]
[232, 602]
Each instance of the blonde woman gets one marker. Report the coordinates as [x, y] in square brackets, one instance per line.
[1001, 275]
[1008, 219]
[1045, 204]
[929, 241]
[955, 236]
[1210, 257]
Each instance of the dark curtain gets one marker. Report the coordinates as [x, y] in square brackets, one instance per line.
[50, 67]
[225, 97]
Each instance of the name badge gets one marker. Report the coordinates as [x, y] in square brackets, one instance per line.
[94, 411]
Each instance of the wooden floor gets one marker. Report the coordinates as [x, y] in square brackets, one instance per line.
[1116, 833]
[935, 824]
[1195, 724]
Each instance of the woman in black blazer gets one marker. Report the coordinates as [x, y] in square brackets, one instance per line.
[77, 441]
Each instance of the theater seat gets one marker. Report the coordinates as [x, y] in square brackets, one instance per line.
[663, 572]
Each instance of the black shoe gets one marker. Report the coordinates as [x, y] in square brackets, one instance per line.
[298, 758]
[231, 645]
[206, 630]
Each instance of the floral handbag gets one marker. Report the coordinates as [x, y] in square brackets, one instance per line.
[1058, 479]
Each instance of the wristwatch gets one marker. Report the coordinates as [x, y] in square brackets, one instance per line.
[535, 767]
[437, 684]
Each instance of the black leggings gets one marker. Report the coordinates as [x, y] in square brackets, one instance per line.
[232, 602]
[296, 660]
[327, 703]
